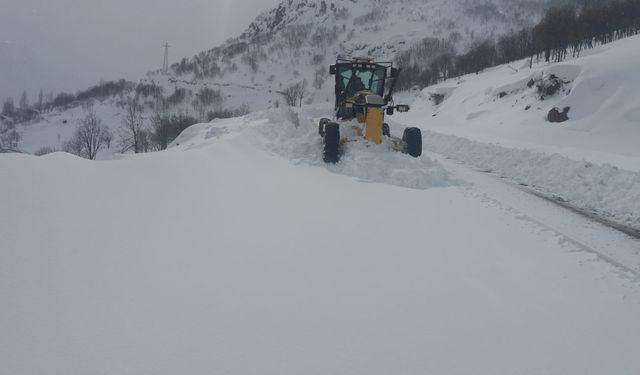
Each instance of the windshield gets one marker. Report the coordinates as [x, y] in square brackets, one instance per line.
[352, 79]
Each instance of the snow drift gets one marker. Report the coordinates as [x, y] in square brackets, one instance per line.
[293, 134]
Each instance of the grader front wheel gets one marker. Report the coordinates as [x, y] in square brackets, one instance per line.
[412, 138]
[331, 143]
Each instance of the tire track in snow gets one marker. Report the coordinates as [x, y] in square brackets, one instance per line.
[629, 231]
[586, 233]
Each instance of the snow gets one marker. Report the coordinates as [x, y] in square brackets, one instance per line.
[592, 160]
[280, 63]
[606, 189]
[276, 131]
[236, 251]
[58, 127]
[602, 93]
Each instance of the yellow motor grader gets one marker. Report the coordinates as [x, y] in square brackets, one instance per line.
[364, 93]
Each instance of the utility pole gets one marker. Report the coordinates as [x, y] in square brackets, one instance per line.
[165, 65]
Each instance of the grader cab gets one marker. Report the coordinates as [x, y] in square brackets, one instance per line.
[364, 94]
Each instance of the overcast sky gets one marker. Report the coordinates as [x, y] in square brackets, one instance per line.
[122, 38]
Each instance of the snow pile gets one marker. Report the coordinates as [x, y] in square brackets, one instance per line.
[293, 134]
[605, 189]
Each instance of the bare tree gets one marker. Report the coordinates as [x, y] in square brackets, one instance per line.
[108, 138]
[294, 94]
[73, 145]
[40, 104]
[24, 101]
[161, 129]
[8, 108]
[319, 78]
[205, 98]
[90, 136]
[132, 131]
[9, 141]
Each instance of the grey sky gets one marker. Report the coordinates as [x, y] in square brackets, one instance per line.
[122, 38]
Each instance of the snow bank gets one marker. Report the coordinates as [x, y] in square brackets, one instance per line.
[606, 189]
[293, 134]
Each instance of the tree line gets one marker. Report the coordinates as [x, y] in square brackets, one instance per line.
[148, 122]
[562, 31]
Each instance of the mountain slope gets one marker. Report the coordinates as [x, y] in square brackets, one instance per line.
[497, 121]
[299, 39]
[504, 105]
[296, 42]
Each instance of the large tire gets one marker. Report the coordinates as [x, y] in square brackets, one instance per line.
[323, 122]
[331, 143]
[386, 131]
[412, 138]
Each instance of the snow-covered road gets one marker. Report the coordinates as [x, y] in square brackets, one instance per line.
[238, 251]
[610, 244]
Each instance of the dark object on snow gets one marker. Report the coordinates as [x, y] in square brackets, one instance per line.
[323, 122]
[331, 143]
[531, 83]
[549, 86]
[502, 94]
[413, 139]
[527, 108]
[386, 130]
[437, 98]
[556, 116]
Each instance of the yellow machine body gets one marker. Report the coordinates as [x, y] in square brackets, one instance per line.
[373, 124]
[369, 120]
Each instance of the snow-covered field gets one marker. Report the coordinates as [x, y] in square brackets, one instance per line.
[237, 251]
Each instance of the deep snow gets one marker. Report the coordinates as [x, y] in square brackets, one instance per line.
[602, 93]
[236, 252]
[592, 160]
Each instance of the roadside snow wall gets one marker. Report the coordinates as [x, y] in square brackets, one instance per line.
[609, 191]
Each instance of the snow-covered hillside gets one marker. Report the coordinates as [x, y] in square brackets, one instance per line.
[601, 89]
[298, 40]
[496, 121]
[238, 251]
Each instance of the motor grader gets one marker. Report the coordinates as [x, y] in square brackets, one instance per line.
[364, 94]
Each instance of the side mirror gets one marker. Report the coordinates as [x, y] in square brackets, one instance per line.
[333, 69]
[402, 108]
[389, 111]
